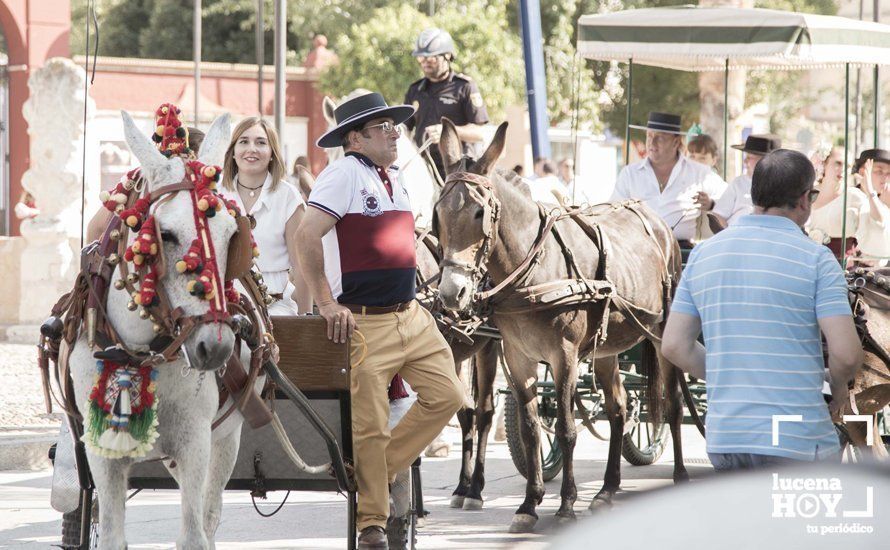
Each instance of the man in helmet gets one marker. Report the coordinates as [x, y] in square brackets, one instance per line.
[443, 92]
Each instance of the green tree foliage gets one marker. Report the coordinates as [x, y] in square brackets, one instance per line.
[373, 38]
[374, 57]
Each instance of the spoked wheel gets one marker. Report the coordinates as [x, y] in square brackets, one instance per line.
[551, 455]
[884, 426]
[644, 440]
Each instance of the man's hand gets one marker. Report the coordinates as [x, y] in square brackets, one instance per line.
[433, 132]
[341, 323]
[703, 201]
[840, 402]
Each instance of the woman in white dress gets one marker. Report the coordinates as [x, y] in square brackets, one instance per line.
[826, 223]
[253, 176]
[874, 226]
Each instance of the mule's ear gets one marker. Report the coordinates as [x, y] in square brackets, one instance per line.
[327, 107]
[216, 141]
[146, 152]
[449, 145]
[493, 153]
[157, 169]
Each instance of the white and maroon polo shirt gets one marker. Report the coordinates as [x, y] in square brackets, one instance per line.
[369, 254]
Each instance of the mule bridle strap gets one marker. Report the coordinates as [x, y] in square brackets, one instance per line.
[469, 177]
[523, 269]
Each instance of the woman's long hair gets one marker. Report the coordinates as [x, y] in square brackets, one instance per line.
[276, 163]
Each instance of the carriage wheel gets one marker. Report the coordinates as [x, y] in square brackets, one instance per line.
[645, 441]
[884, 426]
[551, 455]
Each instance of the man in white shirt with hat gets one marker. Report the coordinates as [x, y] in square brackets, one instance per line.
[677, 188]
[736, 201]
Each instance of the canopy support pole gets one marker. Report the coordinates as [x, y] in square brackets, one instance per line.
[843, 253]
[196, 58]
[876, 17]
[725, 117]
[280, 60]
[630, 96]
[877, 108]
[259, 45]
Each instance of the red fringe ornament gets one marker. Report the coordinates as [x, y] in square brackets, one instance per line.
[191, 262]
[232, 295]
[170, 135]
[134, 216]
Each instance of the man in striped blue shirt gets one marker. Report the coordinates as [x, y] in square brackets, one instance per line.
[761, 292]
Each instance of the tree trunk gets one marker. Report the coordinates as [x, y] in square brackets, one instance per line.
[710, 85]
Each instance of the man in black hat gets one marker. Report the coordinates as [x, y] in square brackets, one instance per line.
[667, 181]
[357, 255]
[443, 92]
[736, 201]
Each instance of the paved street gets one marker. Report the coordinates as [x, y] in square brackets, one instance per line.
[307, 520]
[318, 520]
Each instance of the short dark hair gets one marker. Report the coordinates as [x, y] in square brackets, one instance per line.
[702, 143]
[548, 167]
[780, 178]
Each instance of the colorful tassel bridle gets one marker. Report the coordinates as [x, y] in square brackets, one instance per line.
[122, 405]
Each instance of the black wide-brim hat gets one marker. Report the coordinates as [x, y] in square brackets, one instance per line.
[351, 114]
[662, 122]
[877, 155]
[760, 144]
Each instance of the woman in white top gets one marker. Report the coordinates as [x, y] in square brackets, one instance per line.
[874, 226]
[253, 175]
[826, 223]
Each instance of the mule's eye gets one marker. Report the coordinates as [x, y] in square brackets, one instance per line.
[169, 237]
[478, 215]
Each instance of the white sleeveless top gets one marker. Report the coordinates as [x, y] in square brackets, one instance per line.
[874, 237]
[272, 210]
[828, 221]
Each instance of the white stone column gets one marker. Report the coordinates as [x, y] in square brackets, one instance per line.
[49, 262]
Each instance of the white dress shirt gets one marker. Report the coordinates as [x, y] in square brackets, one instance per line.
[272, 210]
[676, 204]
[736, 201]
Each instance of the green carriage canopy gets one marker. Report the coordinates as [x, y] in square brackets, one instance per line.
[690, 38]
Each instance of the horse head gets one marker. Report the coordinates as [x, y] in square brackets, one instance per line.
[189, 254]
[466, 216]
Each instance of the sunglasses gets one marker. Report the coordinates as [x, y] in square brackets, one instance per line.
[813, 194]
[387, 127]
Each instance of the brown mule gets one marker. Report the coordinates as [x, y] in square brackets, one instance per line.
[557, 277]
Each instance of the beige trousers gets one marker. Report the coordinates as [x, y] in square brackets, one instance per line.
[407, 343]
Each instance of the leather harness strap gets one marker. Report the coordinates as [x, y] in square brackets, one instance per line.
[576, 290]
